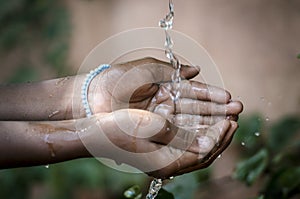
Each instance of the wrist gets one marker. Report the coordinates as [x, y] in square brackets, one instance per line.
[94, 134]
[89, 90]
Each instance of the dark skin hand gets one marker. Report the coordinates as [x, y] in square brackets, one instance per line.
[133, 113]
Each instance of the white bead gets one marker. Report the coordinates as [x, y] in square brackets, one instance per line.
[89, 77]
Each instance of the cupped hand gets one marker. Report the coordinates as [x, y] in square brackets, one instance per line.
[154, 145]
[132, 84]
[145, 84]
[162, 138]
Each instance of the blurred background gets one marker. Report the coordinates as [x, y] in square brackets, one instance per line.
[256, 46]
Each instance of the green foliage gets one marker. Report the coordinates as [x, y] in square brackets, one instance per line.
[37, 33]
[186, 185]
[24, 73]
[250, 169]
[16, 183]
[164, 194]
[63, 180]
[183, 186]
[273, 157]
[298, 56]
[282, 133]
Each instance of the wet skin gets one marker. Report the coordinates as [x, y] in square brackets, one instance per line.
[187, 135]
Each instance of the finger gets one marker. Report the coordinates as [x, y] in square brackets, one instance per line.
[188, 159]
[197, 107]
[201, 91]
[237, 107]
[208, 161]
[189, 72]
[181, 160]
[192, 141]
[162, 71]
[193, 121]
[225, 143]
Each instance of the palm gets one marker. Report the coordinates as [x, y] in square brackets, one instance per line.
[130, 85]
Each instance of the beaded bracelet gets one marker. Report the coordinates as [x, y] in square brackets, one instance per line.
[85, 86]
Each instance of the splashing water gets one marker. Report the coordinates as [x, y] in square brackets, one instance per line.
[167, 24]
[154, 188]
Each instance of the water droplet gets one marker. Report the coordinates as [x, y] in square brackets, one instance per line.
[52, 114]
[154, 188]
[169, 42]
[169, 54]
[47, 166]
[267, 119]
[168, 129]
[262, 99]
[147, 118]
[171, 178]
[243, 143]
[257, 134]
[166, 23]
[219, 156]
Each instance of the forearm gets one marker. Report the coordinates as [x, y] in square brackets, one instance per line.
[57, 99]
[39, 143]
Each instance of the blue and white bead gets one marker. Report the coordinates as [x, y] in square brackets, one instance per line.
[85, 86]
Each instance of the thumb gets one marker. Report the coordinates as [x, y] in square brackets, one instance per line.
[164, 70]
[161, 70]
[138, 78]
[189, 72]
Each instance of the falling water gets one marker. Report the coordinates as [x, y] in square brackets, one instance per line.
[167, 24]
[154, 188]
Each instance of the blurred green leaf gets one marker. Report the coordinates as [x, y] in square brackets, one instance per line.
[283, 183]
[38, 30]
[290, 179]
[24, 74]
[203, 175]
[251, 169]
[16, 183]
[282, 133]
[260, 197]
[183, 186]
[11, 35]
[164, 194]
[298, 56]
